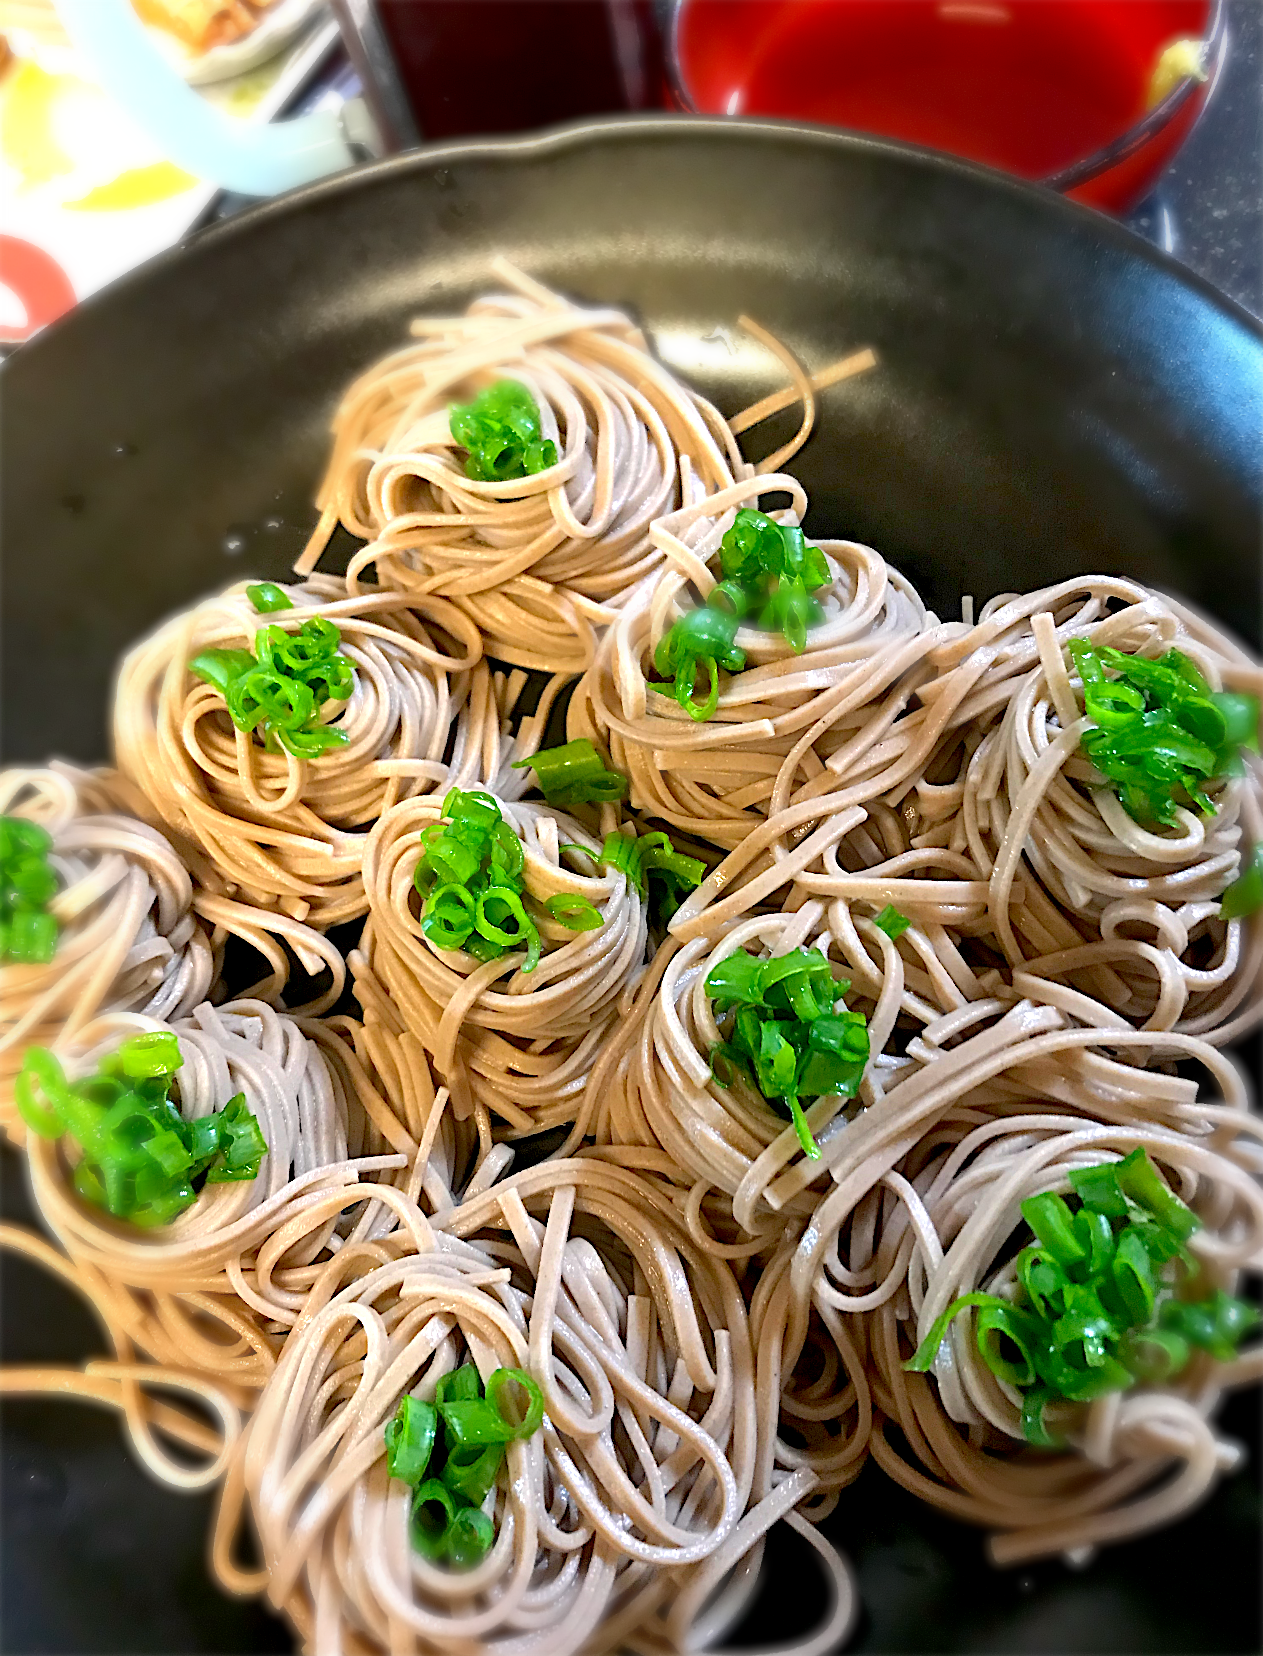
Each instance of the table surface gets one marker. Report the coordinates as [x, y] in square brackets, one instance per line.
[1208, 207]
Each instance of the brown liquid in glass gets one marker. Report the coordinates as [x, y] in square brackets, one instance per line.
[479, 66]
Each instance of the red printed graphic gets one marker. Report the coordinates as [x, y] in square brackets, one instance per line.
[41, 285]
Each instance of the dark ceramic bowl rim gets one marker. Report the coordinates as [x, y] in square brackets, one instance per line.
[734, 130]
[1078, 172]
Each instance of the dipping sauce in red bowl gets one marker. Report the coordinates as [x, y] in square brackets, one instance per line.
[1053, 90]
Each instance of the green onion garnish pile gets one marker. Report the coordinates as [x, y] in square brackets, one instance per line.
[656, 869]
[283, 685]
[28, 933]
[1098, 1304]
[140, 1156]
[770, 570]
[450, 1451]
[1161, 733]
[469, 874]
[574, 774]
[770, 573]
[501, 429]
[787, 1031]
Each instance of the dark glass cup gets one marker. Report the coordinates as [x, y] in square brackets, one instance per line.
[446, 68]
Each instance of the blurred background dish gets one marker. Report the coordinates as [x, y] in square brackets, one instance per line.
[213, 41]
[87, 192]
[207, 40]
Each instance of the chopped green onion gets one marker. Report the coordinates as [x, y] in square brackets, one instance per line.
[1053, 1224]
[459, 1385]
[532, 1415]
[1159, 734]
[241, 1144]
[700, 638]
[1099, 1190]
[670, 874]
[656, 869]
[785, 1029]
[501, 430]
[472, 1423]
[1133, 1276]
[448, 916]
[1245, 895]
[469, 873]
[619, 851]
[1034, 1402]
[573, 912]
[143, 1056]
[1096, 1234]
[1153, 1355]
[140, 1156]
[470, 1537]
[464, 1434]
[28, 883]
[809, 1146]
[737, 980]
[1215, 1325]
[219, 668]
[279, 690]
[470, 1473]
[267, 597]
[574, 774]
[926, 1352]
[837, 1053]
[1138, 1179]
[770, 566]
[410, 1439]
[1007, 1341]
[433, 1513]
[756, 550]
[892, 922]
[508, 910]
[790, 609]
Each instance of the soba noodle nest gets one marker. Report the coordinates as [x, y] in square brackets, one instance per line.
[278, 831]
[128, 939]
[515, 1043]
[787, 713]
[654, 1083]
[617, 1521]
[234, 1256]
[1139, 1459]
[537, 1168]
[533, 562]
[1080, 891]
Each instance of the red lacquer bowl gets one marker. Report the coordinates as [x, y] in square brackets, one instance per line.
[1052, 90]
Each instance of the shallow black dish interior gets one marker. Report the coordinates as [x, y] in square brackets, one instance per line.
[1053, 397]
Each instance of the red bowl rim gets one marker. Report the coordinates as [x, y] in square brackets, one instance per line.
[1079, 172]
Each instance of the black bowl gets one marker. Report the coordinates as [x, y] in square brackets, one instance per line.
[1053, 397]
